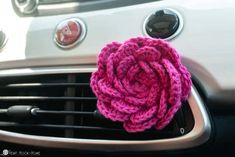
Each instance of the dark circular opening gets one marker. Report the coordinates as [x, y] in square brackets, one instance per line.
[162, 24]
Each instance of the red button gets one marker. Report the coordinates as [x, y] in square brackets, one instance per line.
[68, 33]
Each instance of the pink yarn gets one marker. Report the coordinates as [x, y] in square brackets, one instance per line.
[140, 83]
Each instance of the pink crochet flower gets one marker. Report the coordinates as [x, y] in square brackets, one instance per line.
[140, 83]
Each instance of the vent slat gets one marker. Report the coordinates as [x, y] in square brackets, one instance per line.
[17, 125]
[42, 85]
[44, 112]
[88, 128]
[43, 98]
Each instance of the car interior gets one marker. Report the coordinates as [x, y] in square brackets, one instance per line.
[51, 53]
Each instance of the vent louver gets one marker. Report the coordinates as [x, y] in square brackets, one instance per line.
[68, 109]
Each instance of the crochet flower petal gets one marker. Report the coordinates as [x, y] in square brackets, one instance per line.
[143, 115]
[107, 89]
[122, 106]
[110, 113]
[130, 127]
[175, 83]
[105, 53]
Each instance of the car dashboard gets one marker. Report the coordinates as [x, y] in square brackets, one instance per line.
[39, 68]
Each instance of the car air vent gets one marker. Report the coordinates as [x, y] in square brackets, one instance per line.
[66, 107]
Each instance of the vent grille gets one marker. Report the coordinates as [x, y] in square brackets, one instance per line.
[68, 109]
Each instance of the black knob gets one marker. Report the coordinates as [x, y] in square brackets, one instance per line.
[162, 24]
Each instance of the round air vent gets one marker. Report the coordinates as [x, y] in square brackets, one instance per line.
[163, 24]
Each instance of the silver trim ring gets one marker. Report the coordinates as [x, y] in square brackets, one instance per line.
[197, 136]
[4, 40]
[23, 8]
[81, 37]
[181, 23]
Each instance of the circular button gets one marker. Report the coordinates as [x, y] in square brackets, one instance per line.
[164, 24]
[69, 33]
